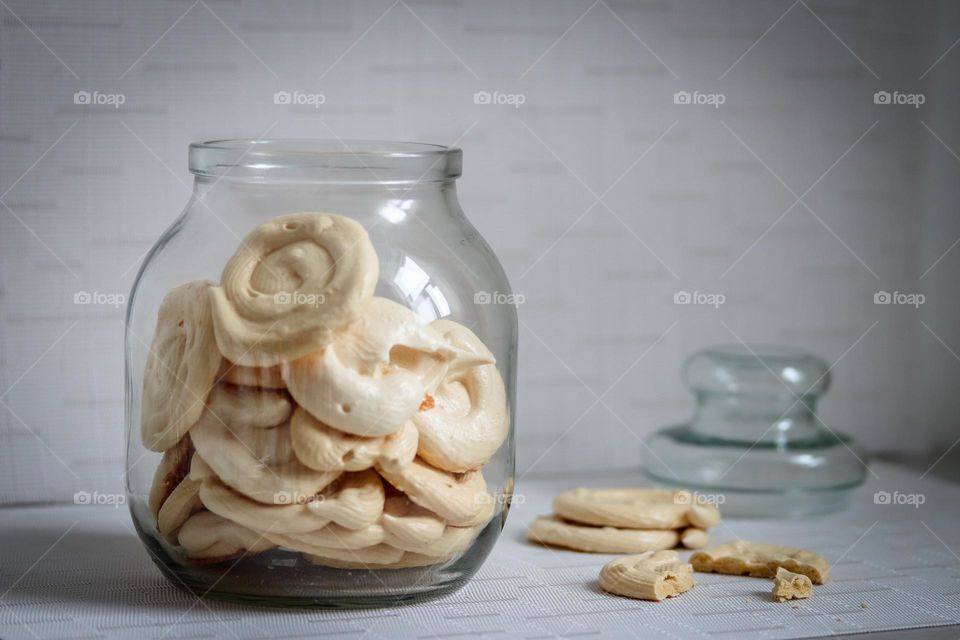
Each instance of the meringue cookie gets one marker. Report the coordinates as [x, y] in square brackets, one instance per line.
[459, 499]
[207, 536]
[635, 508]
[324, 448]
[332, 536]
[469, 420]
[452, 541]
[294, 280]
[258, 462]
[354, 501]
[652, 575]
[408, 525]
[182, 503]
[263, 377]
[351, 384]
[181, 366]
[173, 466]
[249, 406]
[694, 538]
[553, 531]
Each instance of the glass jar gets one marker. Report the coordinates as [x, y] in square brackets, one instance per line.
[755, 444]
[283, 472]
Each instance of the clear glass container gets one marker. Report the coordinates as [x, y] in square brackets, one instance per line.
[249, 520]
[755, 445]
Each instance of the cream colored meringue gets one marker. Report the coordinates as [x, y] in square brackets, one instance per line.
[452, 541]
[174, 465]
[651, 575]
[182, 503]
[553, 531]
[181, 366]
[324, 448]
[636, 508]
[249, 406]
[354, 501]
[207, 536]
[469, 420]
[408, 525]
[294, 280]
[332, 536]
[263, 377]
[199, 470]
[258, 462]
[351, 383]
[460, 499]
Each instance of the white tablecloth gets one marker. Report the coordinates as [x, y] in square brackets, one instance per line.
[80, 572]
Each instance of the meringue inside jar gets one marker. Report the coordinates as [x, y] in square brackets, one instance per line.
[320, 378]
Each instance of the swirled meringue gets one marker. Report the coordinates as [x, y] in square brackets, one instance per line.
[469, 420]
[181, 366]
[294, 280]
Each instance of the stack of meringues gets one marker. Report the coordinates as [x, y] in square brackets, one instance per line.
[625, 520]
[295, 409]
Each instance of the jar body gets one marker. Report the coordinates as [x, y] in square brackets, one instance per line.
[431, 261]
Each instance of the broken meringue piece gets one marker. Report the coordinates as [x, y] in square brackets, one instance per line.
[790, 586]
[652, 575]
[760, 560]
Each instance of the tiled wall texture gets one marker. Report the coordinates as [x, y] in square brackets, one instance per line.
[784, 186]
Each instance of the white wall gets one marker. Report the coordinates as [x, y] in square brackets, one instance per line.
[88, 189]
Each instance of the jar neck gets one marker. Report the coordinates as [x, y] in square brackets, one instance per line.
[318, 162]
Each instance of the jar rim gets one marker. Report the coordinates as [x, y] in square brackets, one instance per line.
[323, 160]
